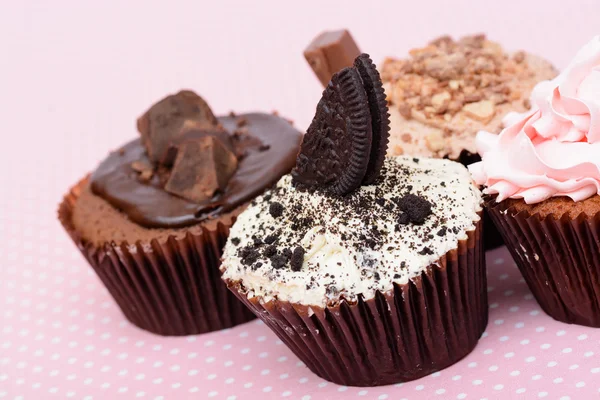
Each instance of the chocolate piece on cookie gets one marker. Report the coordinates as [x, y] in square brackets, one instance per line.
[164, 122]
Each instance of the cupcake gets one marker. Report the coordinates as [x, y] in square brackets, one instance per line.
[153, 218]
[542, 176]
[446, 92]
[360, 264]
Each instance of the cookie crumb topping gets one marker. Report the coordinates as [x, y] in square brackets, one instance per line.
[318, 248]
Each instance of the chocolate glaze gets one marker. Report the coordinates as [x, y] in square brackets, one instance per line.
[270, 147]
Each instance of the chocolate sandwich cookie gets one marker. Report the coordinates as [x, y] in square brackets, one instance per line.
[361, 280]
[153, 217]
[346, 142]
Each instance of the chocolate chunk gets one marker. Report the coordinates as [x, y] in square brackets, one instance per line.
[415, 207]
[276, 209]
[163, 122]
[279, 261]
[203, 166]
[297, 258]
[236, 241]
[442, 231]
[330, 52]
[194, 130]
[335, 150]
[380, 118]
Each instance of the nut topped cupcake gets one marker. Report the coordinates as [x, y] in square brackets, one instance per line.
[153, 217]
[360, 263]
[542, 174]
[446, 92]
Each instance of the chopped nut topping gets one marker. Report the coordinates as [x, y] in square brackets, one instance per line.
[483, 110]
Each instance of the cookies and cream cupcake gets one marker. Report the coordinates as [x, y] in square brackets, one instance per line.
[152, 219]
[542, 174]
[360, 263]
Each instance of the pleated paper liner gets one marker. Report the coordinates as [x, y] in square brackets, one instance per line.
[559, 259]
[172, 288]
[491, 237]
[411, 331]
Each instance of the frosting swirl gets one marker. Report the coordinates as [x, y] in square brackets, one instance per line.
[553, 149]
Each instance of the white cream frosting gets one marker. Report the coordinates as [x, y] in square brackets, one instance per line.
[339, 261]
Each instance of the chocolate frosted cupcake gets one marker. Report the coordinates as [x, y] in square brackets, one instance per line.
[360, 263]
[153, 218]
[543, 177]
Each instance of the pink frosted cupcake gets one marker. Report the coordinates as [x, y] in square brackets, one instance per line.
[542, 175]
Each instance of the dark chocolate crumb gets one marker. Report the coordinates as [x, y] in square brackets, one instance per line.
[270, 251]
[416, 160]
[248, 254]
[264, 147]
[276, 209]
[426, 251]
[270, 239]
[297, 258]
[442, 231]
[236, 241]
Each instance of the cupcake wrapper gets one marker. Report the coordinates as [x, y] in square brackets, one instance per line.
[172, 288]
[559, 259]
[409, 332]
[491, 236]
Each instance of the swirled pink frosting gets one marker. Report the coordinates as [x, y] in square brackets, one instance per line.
[553, 149]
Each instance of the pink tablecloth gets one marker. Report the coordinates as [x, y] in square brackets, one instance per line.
[73, 77]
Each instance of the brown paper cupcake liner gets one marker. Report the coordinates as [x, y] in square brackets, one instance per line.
[411, 331]
[172, 288]
[559, 259]
[491, 236]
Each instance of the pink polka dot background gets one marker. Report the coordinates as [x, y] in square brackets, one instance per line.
[73, 78]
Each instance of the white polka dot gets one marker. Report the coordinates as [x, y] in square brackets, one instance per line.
[284, 376]
[499, 321]
[363, 393]
[248, 385]
[583, 336]
[503, 338]
[498, 387]
[461, 396]
[519, 324]
[509, 355]
[530, 359]
[211, 376]
[342, 388]
[565, 398]
[558, 380]
[536, 377]
[515, 373]
[267, 389]
[456, 377]
[472, 365]
[213, 394]
[567, 350]
[303, 380]
[520, 390]
[545, 346]
[560, 333]
[282, 359]
[306, 397]
[440, 391]
[595, 370]
[287, 393]
[229, 381]
[419, 387]
[477, 382]
[588, 353]
[383, 396]
[573, 367]
[534, 313]
[580, 384]
[542, 394]
[493, 368]
[524, 341]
